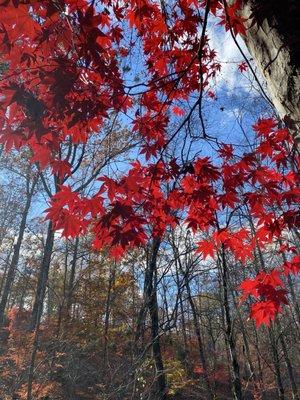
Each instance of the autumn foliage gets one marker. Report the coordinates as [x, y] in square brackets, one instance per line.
[65, 76]
[63, 79]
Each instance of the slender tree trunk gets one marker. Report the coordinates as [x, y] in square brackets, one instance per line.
[140, 323]
[50, 297]
[72, 276]
[111, 282]
[32, 362]
[202, 355]
[16, 254]
[38, 304]
[42, 279]
[185, 342]
[7, 264]
[292, 291]
[24, 290]
[183, 326]
[235, 368]
[246, 344]
[195, 317]
[259, 361]
[151, 291]
[276, 363]
[260, 263]
[288, 364]
[61, 305]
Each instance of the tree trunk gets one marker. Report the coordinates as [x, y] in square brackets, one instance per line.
[7, 264]
[24, 291]
[32, 362]
[260, 263]
[274, 42]
[202, 355]
[288, 366]
[16, 254]
[235, 368]
[292, 290]
[185, 351]
[196, 324]
[253, 376]
[151, 291]
[108, 305]
[276, 363]
[42, 280]
[72, 277]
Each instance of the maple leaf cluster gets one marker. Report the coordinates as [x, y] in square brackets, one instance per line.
[268, 289]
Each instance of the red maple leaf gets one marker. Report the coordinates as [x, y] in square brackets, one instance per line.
[292, 267]
[249, 287]
[243, 66]
[226, 151]
[178, 111]
[264, 126]
[264, 312]
[271, 278]
[206, 248]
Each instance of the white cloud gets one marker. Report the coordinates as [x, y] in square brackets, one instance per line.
[229, 56]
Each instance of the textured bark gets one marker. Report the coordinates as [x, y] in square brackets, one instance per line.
[274, 42]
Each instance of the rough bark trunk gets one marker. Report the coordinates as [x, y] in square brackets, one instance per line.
[274, 43]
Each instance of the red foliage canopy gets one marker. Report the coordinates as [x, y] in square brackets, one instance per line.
[63, 78]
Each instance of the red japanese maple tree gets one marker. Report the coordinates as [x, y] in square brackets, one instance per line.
[62, 78]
